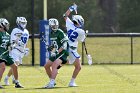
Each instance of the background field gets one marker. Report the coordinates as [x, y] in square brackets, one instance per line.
[103, 50]
[92, 79]
[97, 78]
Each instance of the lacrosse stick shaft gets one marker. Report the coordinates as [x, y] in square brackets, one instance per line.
[4, 53]
[85, 48]
[11, 45]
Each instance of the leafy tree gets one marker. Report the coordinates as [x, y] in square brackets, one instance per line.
[129, 15]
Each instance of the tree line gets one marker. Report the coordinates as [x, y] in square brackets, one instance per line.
[101, 16]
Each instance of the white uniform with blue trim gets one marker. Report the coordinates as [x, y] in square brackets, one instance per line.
[18, 51]
[75, 34]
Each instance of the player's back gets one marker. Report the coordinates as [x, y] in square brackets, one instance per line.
[23, 37]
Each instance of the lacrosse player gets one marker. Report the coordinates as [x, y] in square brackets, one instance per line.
[5, 59]
[58, 51]
[19, 38]
[75, 33]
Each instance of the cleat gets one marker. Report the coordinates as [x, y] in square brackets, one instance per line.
[72, 84]
[6, 82]
[49, 86]
[1, 86]
[18, 85]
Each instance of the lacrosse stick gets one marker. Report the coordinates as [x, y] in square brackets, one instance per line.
[75, 8]
[88, 55]
[4, 53]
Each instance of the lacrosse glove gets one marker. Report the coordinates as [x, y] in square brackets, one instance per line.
[73, 7]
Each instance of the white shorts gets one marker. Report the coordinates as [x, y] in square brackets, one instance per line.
[72, 56]
[17, 56]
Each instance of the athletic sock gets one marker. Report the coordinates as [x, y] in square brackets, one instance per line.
[72, 80]
[6, 77]
[52, 81]
[16, 81]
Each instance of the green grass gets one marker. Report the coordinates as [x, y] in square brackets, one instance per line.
[91, 79]
[102, 50]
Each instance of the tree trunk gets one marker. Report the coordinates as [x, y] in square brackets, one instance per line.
[109, 18]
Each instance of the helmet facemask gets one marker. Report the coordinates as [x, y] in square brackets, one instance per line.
[4, 24]
[21, 22]
[54, 24]
[78, 19]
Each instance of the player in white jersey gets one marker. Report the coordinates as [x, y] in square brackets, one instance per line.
[19, 37]
[75, 34]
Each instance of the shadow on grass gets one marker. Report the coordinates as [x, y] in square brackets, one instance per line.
[45, 88]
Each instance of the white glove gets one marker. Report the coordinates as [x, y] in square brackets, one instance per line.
[73, 8]
[53, 54]
[26, 51]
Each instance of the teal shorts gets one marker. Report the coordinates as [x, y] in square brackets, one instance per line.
[7, 59]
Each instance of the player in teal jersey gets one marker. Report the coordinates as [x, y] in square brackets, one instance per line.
[58, 50]
[5, 59]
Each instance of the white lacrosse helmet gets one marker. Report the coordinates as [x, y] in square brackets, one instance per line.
[4, 24]
[78, 19]
[53, 23]
[21, 22]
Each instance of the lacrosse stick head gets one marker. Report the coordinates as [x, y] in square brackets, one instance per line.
[89, 59]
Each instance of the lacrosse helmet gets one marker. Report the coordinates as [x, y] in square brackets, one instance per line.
[4, 24]
[78, 19]
[54, 24]
[21, 22]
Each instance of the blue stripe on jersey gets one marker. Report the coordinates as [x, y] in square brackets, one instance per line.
[75, 55]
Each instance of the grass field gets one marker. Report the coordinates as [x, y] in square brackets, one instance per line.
[97, 78]
[92, 79]
[103, 50]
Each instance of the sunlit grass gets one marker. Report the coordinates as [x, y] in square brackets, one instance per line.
[91, 79]
[102, 50]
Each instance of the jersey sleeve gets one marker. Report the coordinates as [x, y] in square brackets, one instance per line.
[69, 24]
[81, 35]
[63, 37]
[13, 36]
[27, 35]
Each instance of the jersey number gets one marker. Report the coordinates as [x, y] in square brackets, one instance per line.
[24, 39]
[72, 35]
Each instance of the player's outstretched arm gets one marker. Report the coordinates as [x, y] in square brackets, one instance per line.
[70, 9]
